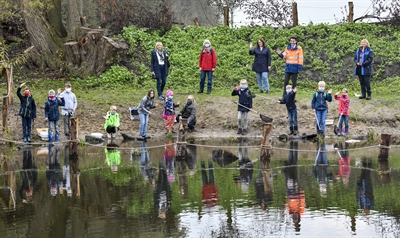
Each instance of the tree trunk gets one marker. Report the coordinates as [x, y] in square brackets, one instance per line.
[54, 18]
[46, 41]
[73, 19]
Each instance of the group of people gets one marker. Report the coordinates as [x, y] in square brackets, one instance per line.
[66, 99]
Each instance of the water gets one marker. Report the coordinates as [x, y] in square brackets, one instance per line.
[220, 189]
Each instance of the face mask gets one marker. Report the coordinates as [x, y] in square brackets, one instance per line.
[288, 90]
[189, 102]
[68, 90]
[51, 96]
[113, 113]
[151, 95]
[171, 97]
[321, 89]
[27, 94]
[243, 86]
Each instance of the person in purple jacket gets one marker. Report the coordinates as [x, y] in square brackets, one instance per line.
[262, 63]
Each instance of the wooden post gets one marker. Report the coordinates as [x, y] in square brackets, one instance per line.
[5, 111]
[266, 146]
[10, 84]
[74, 128]
[226, 16]
[267, 176]
[351, 11]
[384, 147]
[295, 14]
[181, 142]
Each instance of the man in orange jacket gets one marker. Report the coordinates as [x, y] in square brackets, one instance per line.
[293, 55]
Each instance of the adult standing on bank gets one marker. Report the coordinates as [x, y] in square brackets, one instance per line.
[363, 59]
[293, 55]
[68, 110]
[262, 63]
[159, 68]
[207, 65]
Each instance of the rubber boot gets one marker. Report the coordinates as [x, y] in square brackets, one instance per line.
[56, 138]
[346, 130]
[339, 133]
[25, 139]
[239, 131]
[244, 131]
[29, 139]
[291, 130]
[295, 130]
[50, 138]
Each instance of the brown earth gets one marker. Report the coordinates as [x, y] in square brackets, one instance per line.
[216, 117]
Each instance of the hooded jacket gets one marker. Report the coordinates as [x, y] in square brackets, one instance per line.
[344, 104]
[245, 99]
[319, 100]
[51, 108]
[70, 102]
[145, 105]
[189, 112]
[28, 105]
[208, 59]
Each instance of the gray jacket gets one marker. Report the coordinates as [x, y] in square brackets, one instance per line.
[145, 105]
[70, 102]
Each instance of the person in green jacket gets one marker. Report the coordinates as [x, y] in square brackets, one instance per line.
[113, 157]
[112, 122]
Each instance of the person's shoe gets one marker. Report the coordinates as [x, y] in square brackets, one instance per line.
[113, 135]
[50, 139]
[56, 138]
[261, 91]
[346, 130]
[200, 91]
[209, 92]
[267, 91]
[244, 131]
[239, 131]
[368, 98]
[361, 97]
[295, 132]
[25, 139]
[161, 98]
[339, 132]
[29, 139]
[108, 135]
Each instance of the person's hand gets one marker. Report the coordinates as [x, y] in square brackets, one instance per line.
[212, 69]
[59, 90]
[279, 51]
[236, 88]
[45, 119]
[251, 45]
[178, 103]
[22, 84]
[200, 68]
[180, 117]
[294, 89]
[150, 112]
[269, 67]
[337, 93]
[313, 110]
[156, 104]
[330, 91]
[59, 96]
[251, 109]
[105, 117]
[152, 72]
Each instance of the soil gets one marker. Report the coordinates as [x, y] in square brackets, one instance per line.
[217, 118]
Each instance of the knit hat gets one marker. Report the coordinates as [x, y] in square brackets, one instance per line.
[51, 92]
[207, 43]
[169, 93]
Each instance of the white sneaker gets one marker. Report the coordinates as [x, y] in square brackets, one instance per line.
[113, 135]
[108, 135]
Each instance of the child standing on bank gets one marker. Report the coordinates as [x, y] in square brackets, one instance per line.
[52, 115]
[289, 100]
[344, 111]
[169, 107]
[112, 122]
[319, 106]
[27, 111]
[244, 106]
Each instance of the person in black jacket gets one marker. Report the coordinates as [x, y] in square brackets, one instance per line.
[188, 112]
[159, 68]
[244, 106]
[289, 99]
[27, 111]
[52, 114]
[262, 63]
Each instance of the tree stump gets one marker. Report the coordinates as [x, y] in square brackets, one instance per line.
[266, 146]
[74, 128]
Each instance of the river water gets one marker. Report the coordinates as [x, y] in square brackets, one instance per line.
[217, 188]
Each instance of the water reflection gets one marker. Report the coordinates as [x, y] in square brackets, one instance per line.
[29, 175]
[53, 170]
[344, 169]
[264, 184]
[113, 156]
[320, 169]
[364, 190]
[245, 166]
[146, 169]
[162, 192]
[209, 189]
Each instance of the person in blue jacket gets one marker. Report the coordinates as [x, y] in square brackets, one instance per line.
[244, 106]
[319, 106]
[159, 65]
[27, 111]
[52, 114]
[363, 59]
[262, 63]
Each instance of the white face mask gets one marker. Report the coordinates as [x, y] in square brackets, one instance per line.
[288, 90]
[321, 89]
[151, 95]
[68, 90]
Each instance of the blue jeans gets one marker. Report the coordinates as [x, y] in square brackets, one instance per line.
[161, 81]
[262, 78]
[144, 119]
[344, 119]
[26, 127]
[203, 75]
[321, 157]
[292, 116]
[51, 125]
[321, 116]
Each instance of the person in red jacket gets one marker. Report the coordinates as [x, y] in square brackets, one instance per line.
[344, 111]
[207, 65]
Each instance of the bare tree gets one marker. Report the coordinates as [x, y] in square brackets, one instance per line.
[269, 12]
[232, 5]
[386, 8]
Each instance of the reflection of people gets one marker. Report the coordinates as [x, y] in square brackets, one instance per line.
[66, 178]
[344, 163]
[207, 65]
[245, 165]
[364, 190]
[53, 171]
[113, 157]
[162, 193]
[74, 167]
[363, 59]
[295, 195]
[159, 68]
[144, 164]
[209, 189]
[320, 169]
[29, 175]
[69, 109]
[27, 111]
[191, 158]
[262, 63]
[181, 168]
[169, 158]
[112, 122]
[188, 112]
[293, 55]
